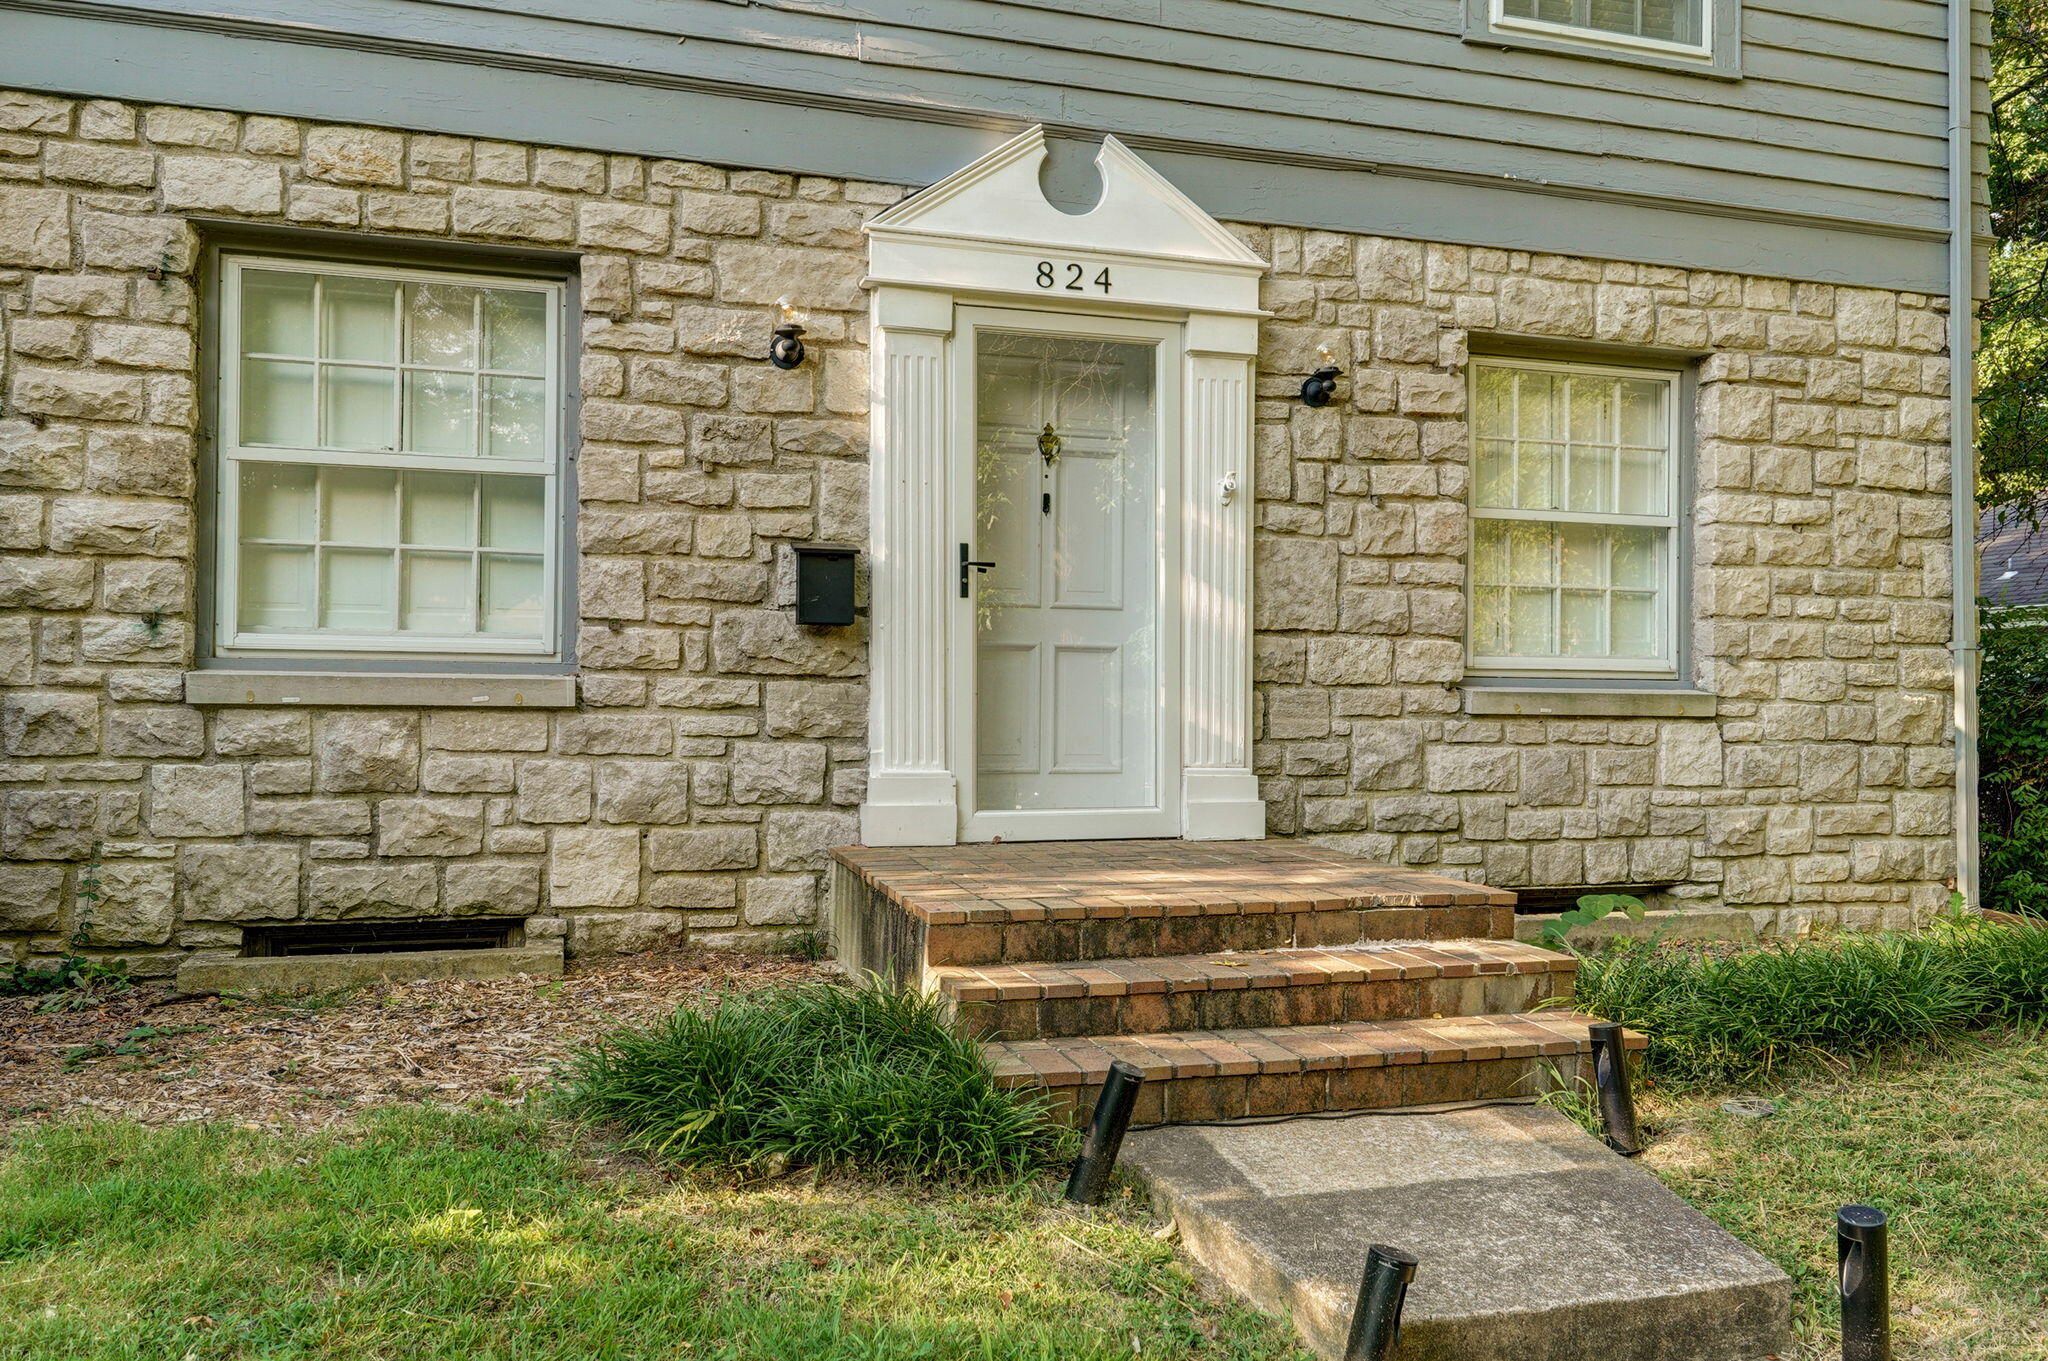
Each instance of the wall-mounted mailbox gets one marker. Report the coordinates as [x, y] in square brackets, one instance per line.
[824, 583]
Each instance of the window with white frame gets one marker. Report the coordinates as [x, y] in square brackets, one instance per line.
[389, 476]
[1673, 26]
[1574, 519]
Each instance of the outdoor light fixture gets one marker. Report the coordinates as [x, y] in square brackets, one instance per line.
[786, 351]
[1319, 387]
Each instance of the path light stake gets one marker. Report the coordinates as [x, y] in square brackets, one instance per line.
[1376, 1322]
[1105, 1133]
[1865, 1283]
[1617, 1101]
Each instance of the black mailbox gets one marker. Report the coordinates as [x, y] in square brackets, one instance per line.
[824, 583]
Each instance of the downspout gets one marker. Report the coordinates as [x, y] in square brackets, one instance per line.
[1962, 349]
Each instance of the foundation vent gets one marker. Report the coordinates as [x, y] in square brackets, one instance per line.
[382, 938]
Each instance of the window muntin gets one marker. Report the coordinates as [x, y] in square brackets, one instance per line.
[1672, 26]
[1574, 523]
[389, 464]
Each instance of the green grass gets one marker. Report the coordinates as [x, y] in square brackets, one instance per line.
[820, 1074]
[488, 1236]
[1953, 1143]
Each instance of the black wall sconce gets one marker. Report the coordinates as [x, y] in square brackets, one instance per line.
[824, 583]
[786, 351]
[1319, 387]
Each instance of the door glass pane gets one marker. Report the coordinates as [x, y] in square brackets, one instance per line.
[512, 513]
[357, 408]
[278, 501]
[361, 505]
[277, 312]
[515, 331]
[358, 319]
[1066, 652]
[440, 413]
[440, 325]
[356, 589]
[512, 418]
[439, 508]
[277, 403]
[274, 588]
[512, 595]
[437, 593]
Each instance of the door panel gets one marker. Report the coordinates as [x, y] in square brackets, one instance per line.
[1067, 684]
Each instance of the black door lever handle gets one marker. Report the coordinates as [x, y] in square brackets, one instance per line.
[967, 565]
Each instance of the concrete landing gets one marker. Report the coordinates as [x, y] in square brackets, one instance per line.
[1537, 1242]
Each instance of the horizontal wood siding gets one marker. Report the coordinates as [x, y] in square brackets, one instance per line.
[1838, 123]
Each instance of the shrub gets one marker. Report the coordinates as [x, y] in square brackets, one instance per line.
[1727, 1017]
[2012, 693]
[823, 1074]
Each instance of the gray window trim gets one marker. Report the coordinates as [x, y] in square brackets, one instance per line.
[221, 238]
[1723, 62]
[1686, 460]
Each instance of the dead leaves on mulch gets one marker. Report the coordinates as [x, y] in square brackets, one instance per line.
[312, 1060]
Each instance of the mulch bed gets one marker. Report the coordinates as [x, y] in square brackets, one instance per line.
[150, 1055]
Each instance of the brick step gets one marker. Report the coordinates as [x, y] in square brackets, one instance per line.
[1263, 988]
[1055, 933]
[1297, 1070]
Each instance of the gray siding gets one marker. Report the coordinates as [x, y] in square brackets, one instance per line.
[1825, 160]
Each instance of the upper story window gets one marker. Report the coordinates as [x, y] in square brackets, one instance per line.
[389, 475]
[1698, 37]
[1666, 25]
[1574, 520]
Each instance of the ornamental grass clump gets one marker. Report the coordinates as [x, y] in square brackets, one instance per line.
[869, 1077]
[1724, 1017]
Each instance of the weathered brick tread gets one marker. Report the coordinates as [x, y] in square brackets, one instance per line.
[992, 884]
[1287, 1050]
[1247, 969]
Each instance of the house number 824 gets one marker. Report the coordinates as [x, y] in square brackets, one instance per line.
[1070, 277]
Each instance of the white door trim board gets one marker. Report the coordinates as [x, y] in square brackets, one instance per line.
[979, 238]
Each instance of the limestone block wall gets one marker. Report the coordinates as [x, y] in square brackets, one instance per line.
[716, 749]
[1821, 792]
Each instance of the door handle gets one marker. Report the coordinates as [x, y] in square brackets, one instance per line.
[968, 564]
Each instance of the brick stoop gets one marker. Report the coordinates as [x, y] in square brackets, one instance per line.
[1261, 978]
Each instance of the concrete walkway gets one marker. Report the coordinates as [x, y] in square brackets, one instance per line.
[1536, 1242]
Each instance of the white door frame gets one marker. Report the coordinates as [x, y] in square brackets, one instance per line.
[981, 238]
[1162, 817]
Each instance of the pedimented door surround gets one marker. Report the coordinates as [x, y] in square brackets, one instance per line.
[986, 236]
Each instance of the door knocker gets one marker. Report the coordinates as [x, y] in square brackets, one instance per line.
[1049, 450]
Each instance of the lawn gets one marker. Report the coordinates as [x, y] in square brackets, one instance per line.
[1952, 1142]
[415, 1233]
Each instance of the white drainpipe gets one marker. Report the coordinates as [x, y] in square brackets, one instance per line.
[1962, 433]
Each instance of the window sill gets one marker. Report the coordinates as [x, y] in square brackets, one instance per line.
[1567, 702]
[1722, 65]
[379, 690]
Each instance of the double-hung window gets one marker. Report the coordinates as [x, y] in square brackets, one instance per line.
[1574, 520]
[389, 469]
[1678, 27]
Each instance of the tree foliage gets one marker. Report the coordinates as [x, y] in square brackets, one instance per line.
[2012, 437]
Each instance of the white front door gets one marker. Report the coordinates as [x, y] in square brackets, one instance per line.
[1070, 644]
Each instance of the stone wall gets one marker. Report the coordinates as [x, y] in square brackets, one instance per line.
[716, 748]
[1820, 793]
